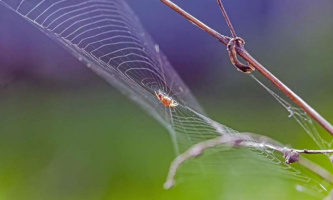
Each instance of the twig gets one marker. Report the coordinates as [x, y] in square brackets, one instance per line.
[235, 41]
[247, 140]
[225, 15]
[240, 49]
[222, 38]
[231, 47]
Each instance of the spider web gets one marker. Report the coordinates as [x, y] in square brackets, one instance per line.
[109, 39]
[302, 118]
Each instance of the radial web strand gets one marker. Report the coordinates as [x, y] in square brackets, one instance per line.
[109, 39]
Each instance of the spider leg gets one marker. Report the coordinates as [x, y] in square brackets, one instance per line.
[157, 95]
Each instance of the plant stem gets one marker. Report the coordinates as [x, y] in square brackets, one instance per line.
[248, 140]
[225, 15]
[247, 57]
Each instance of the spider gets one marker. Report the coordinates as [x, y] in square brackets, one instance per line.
[165, 99]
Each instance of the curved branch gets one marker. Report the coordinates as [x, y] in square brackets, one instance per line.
[248, 140]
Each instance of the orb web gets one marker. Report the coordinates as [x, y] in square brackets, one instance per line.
[110, 40]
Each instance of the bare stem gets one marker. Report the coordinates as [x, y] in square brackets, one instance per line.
[222, 38]
[225, 15]
[247, 57]
[248, 140]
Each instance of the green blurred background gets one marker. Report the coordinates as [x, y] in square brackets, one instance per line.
[66, 134]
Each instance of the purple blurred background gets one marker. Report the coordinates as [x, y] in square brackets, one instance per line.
[276, 33]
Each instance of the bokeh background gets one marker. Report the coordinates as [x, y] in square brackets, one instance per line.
[66, 134]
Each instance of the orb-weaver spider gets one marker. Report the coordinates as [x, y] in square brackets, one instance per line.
[165, 99]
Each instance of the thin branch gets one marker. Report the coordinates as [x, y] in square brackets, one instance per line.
[225, 15]
[231, 47]
[222, 38]
[247, 140]
[247, 57]
[235, 41]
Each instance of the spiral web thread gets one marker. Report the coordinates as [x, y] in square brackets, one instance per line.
[109, 39]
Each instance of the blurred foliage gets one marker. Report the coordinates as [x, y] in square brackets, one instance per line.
[72, 145]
